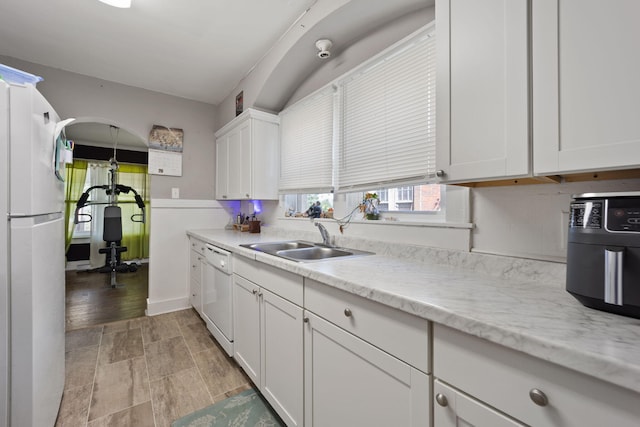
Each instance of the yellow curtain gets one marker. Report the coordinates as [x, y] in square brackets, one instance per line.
[135, 235]
[76, 174]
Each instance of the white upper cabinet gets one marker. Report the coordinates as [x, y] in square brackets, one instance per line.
[247, 157]
[586, 85]
[483, 89]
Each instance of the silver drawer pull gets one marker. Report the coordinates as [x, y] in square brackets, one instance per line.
[347, 312]
[442, 400]
[255, 291]
[538, 397]
[305, 320]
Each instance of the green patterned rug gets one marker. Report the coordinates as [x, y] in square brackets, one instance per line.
[247, 409]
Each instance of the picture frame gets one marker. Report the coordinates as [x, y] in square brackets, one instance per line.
[239, 103]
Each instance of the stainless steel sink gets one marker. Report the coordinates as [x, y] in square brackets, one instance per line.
[302, 251]
[272, 247]
[313, 253]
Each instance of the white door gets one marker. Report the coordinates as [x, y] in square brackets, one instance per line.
[246, 143]
[234, 170]
[222, 168]
[585, 85]
[482, 89]
[38, 314]
[349, 382]
[246, 320]
[34, 187]
[282, 356]
[454, 409]
[195, 276]
[4, 256]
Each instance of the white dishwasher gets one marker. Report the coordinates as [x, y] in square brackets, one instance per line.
[217, 298]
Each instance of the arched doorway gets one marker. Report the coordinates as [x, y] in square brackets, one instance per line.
[90, 298]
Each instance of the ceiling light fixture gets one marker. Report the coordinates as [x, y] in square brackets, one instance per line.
[118, 3]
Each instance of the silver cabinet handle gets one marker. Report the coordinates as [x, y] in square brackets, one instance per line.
[247, 195]
[305, 320]
[440, 173]
[613, 276]
[347, 312]
[442, 400]
[255, 291]
[538, 397]
[260, 294]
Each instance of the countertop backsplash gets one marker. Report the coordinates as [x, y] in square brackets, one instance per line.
[504, 267]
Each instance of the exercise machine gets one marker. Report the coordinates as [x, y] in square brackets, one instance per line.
[112, 232]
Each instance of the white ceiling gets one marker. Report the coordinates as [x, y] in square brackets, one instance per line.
[194, 49]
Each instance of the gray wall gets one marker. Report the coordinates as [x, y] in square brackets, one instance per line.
[137, 110]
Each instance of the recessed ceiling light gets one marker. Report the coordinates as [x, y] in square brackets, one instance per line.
[118, 3]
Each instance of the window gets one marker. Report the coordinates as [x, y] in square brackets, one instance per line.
[428, 198]
[388, 118]
[379, 120]
[306, 144]
[298, 204]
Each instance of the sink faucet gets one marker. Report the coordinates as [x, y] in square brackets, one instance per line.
[326, 239]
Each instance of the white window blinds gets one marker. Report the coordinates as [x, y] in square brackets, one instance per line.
[388, 113]
[306, 144]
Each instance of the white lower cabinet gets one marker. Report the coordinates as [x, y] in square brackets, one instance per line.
[196, 261]
[349, 382]
[268, 333]
[524, 388]
[366, 364]
[453, 409]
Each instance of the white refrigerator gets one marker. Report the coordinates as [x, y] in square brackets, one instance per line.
[32, 291]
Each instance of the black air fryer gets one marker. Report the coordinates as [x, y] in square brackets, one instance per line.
[603, 254]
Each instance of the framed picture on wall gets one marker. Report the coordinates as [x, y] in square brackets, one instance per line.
[239, 103]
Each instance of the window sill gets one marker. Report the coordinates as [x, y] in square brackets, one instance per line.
[383, 222]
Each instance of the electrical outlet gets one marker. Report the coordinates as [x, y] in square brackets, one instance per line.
[175, 193]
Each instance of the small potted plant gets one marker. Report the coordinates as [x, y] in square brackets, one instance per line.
[369, 206]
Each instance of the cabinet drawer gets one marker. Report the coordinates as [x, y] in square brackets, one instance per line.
[282, 283]
[197, 245]
[504, 378]
[401, 334]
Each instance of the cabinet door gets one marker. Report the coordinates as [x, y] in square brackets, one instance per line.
[234, 165]
[246, 321]
[244, 188]
[222, 168]
[453, 409]
[195, 280]
[282, 356]
[482, 89]
[265, 160]
[585, 85]
[349, 382]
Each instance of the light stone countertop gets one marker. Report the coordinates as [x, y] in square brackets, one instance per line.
[505, 300]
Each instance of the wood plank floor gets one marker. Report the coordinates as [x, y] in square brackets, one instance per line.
[90, 299]
[145, 372]
[125, 369]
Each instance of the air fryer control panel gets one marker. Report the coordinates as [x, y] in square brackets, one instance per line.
[586, 214]
[623, 215]
[616, 215]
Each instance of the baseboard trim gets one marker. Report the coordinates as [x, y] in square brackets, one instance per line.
[166, 306]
